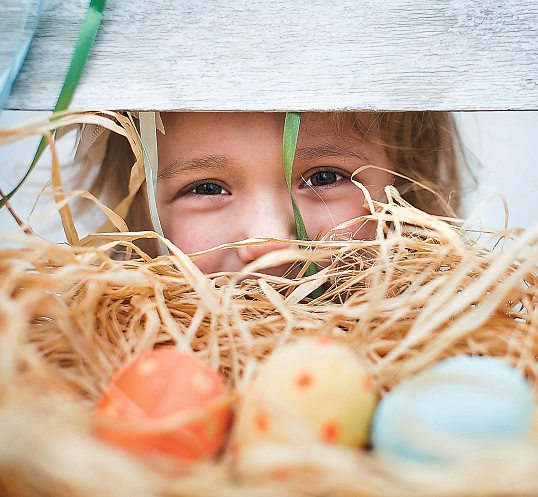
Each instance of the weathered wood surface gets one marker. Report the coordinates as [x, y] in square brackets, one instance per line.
[302, 54]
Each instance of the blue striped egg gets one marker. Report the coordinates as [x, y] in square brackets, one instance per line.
[460, 404]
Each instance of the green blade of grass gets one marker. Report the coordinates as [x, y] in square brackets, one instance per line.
[289, 144]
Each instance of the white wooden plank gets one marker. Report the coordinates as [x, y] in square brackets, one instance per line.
[281, 55]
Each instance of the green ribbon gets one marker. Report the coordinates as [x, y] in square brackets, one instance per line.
[85, 41]
[289, 145]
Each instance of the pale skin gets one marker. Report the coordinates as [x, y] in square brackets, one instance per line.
[221, 180]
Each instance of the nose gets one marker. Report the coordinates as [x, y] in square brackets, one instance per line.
[249, 253]
[269, 217]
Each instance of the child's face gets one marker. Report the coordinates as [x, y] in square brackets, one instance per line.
[221, 180]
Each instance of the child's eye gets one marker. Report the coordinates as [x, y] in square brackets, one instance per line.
[208, 189]
[325, 177]
[204, 188]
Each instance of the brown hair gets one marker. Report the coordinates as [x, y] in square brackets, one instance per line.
[423, 146]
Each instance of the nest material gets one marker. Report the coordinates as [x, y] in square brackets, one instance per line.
[421, 291]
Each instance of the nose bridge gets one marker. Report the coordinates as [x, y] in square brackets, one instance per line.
[271, 215]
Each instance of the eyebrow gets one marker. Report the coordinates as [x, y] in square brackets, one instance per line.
[205, 162]
[327, 150]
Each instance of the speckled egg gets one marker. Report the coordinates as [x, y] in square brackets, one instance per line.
[460, 404]
[310, 390]
[167, 402]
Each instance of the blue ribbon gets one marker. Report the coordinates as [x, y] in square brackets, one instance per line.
[24, 16]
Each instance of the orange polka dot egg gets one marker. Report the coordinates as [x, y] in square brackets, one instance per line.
[165, 402]
[313, 390]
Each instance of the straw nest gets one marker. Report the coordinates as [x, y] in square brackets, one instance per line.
[423, 290]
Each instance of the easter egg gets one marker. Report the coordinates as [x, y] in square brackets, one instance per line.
[165, 402]
[460, 404]
[314, 390]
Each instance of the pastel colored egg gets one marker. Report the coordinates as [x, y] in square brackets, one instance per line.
[165, 402]
[460, 404]
[311, 390]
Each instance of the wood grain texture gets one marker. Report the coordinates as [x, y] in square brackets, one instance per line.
[283, 55]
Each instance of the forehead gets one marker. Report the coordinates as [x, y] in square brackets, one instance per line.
[203, 128]
[202, 141]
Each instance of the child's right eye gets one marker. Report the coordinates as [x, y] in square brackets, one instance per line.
[208, 189]
[204, 188]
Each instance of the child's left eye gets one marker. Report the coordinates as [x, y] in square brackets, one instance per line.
[326, 177]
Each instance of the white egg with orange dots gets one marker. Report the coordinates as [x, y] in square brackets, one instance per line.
[166, 402]
[311, 390]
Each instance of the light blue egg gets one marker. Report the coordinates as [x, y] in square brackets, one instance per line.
[460, 403]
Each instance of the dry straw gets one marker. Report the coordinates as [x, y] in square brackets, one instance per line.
[70, 315]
